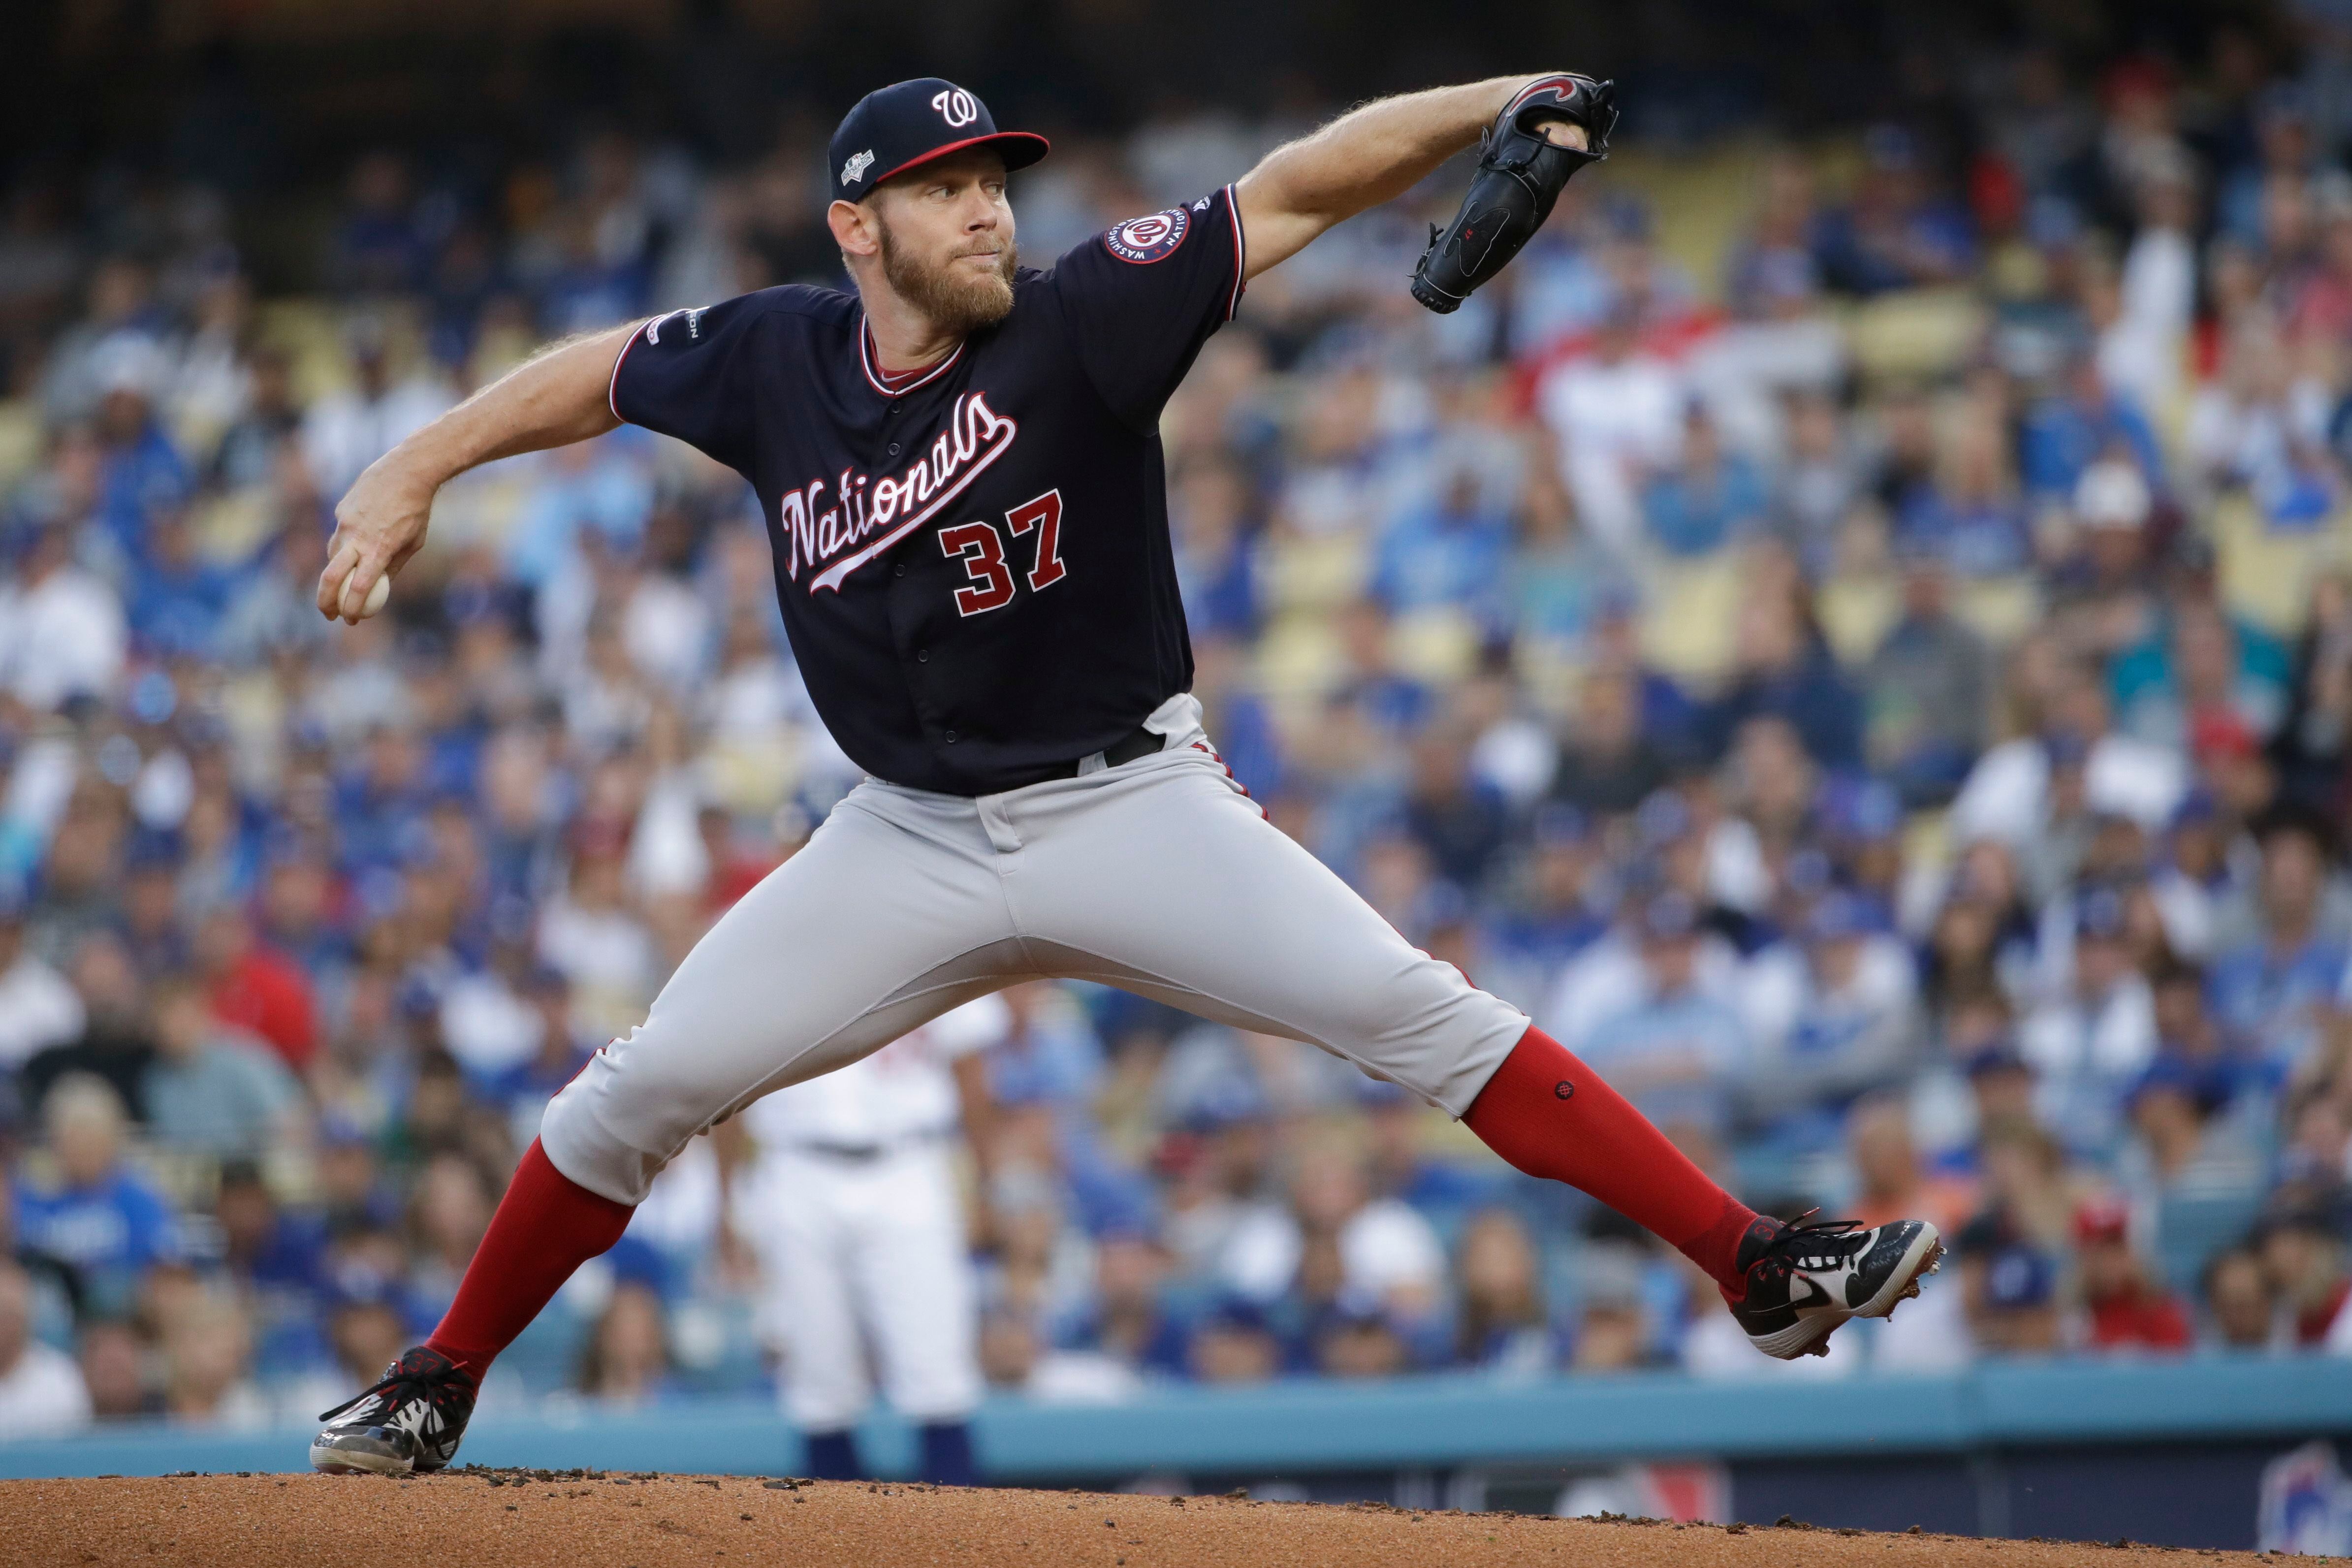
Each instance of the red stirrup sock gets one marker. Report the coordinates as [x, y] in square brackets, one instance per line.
[547, 1226]
[1550, 1115]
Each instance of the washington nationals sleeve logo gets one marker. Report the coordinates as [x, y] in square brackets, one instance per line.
[1151, 238]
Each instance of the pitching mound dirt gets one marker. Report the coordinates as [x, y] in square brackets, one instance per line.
[592, 1520]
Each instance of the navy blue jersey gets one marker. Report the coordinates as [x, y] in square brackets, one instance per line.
[974, 568]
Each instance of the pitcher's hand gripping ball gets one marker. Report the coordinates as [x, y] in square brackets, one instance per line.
[1520, 173]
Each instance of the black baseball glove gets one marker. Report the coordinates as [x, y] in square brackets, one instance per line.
[1520, 175]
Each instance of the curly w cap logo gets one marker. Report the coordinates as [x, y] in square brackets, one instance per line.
[956, 106]
[855, 170]
[1150, 239]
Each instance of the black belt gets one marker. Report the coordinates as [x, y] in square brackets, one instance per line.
[1136, 742]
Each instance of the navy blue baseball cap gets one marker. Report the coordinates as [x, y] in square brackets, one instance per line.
[893, 128]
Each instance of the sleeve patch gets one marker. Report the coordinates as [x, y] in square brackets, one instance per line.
[1153, 237]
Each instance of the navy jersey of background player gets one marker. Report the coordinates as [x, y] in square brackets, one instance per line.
[974, 568]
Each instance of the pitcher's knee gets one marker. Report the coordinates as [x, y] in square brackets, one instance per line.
[1443, 1047]
[612, 1129]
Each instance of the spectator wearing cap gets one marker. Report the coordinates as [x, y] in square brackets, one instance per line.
[2011, 1288]
[143, 472]
[2091, 1042]
[151, 923]
[1357, 1336]
[1846, 1022]
[2105, 586]
[2125, 1306]
[37, 1008]
[1233, 1342]
[62, 632]
[1928, 689]
[2192, 875]
[2193, 1170]
[2278, 965]
[213, 1089]
[2001, 1087]
[1673, 1047]
[89, 1210]
[41, 1390]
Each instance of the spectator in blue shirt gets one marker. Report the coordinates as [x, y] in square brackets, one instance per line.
[1214, 572]
[1894, 233]
[177, 598]
[1676, 1052]
[2080, 422]
[141, 471]
[1970, 514]
[1786, 670]
[94, 1215]
[1710, 498]
[2272, 994]
[1447, 551]
[213, 1089]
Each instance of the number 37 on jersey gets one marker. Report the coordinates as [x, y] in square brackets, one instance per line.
[982, 548]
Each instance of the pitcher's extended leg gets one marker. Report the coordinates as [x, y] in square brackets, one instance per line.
[1167, 880]
[875, 927]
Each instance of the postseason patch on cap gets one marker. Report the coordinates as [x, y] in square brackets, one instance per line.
[1150, 238]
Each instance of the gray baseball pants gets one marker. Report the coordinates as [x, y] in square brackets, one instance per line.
[1159, 876]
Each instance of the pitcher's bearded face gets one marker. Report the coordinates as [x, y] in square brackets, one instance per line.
[962, 286]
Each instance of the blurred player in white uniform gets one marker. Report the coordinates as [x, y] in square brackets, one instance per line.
[851, 1204]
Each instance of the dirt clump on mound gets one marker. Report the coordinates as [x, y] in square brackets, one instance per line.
[610, 1519]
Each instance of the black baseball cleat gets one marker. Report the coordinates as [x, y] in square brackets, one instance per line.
[410, 1421]
[1804, 1279]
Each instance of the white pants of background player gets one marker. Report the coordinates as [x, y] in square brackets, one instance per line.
[1159, 876]
[865, 1257]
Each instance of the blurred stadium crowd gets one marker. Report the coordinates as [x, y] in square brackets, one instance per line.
[1855, 639]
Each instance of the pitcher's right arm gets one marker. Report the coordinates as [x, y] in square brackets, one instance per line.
[559, 395]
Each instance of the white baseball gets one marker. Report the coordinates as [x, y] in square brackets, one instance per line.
[377, 597]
